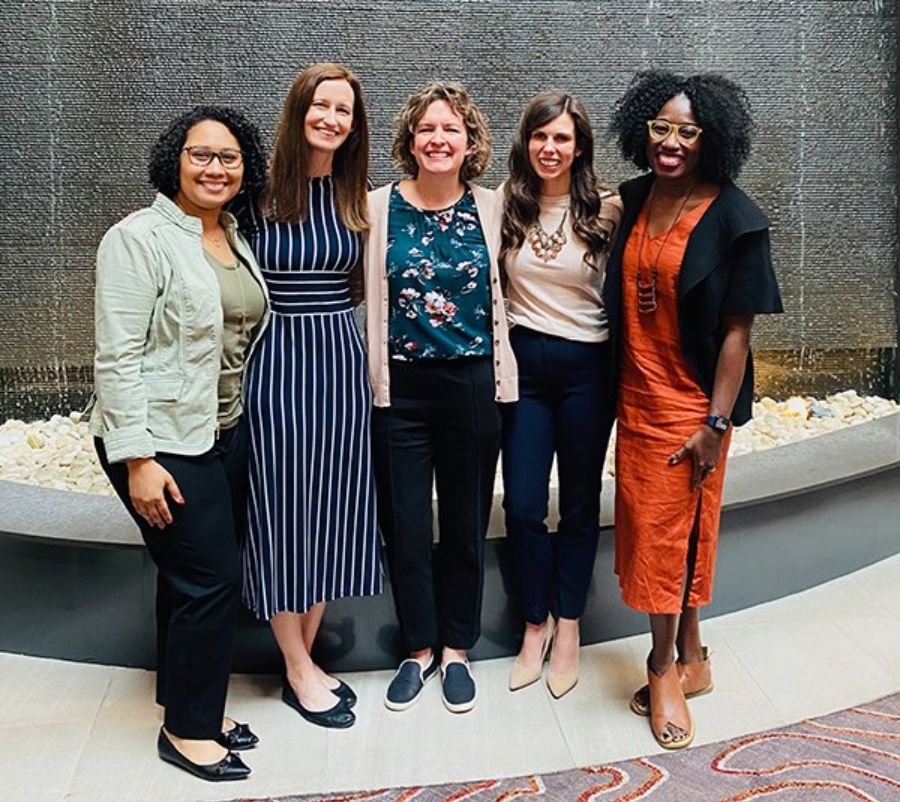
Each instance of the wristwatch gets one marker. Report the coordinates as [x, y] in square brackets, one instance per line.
[717, 423]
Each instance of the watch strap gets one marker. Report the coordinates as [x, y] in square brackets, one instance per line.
[718, 423]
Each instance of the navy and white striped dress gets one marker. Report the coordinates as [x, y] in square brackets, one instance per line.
[312, 530]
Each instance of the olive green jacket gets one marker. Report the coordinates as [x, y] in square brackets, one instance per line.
[158, 325]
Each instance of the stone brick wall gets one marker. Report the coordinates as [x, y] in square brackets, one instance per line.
[86, 85]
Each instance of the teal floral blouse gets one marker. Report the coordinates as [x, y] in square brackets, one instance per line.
[437, 267]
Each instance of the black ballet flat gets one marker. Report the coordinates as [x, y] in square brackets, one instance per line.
[338, 717]
[345, 693]
[230, 767]
[240, 737]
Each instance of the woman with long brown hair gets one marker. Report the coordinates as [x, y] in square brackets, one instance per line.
[557, 226]
[312, 534]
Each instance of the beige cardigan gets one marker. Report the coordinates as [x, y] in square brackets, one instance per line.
[490, 213]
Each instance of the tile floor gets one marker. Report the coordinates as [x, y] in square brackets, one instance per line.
[84, 733]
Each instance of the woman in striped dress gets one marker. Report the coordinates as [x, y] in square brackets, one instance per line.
[312, 534]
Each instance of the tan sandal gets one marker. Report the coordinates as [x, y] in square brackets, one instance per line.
[696, 680]
[668, 707]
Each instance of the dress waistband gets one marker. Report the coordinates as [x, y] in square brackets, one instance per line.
[307, 293]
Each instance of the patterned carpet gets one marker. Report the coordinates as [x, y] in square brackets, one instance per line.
[846, 756]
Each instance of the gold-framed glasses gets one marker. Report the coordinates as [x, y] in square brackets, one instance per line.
[202, 156]
[685, 133]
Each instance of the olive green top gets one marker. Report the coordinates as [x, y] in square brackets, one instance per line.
[243, 307]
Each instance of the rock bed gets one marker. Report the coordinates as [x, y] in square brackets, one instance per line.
[59, 453]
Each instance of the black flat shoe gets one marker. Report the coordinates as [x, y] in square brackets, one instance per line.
[345, 693]
[238, 738]
[230, 767]
[338, 717]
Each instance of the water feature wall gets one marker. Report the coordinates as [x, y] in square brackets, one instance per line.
[86, 86]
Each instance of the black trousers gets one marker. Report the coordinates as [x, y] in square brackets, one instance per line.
[443, 426]
[563, 408]
[198, 588]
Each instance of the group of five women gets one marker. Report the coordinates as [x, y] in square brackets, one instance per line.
[265, 450]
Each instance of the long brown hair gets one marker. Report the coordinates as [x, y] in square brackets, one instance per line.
[521, 207]
[286, 196]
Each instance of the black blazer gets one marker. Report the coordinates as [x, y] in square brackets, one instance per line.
[727, 269]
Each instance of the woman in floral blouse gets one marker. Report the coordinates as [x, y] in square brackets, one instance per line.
[440, 360]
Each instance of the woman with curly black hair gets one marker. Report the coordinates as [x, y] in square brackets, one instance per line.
[689, 271]
[180, 304]
[559, 335]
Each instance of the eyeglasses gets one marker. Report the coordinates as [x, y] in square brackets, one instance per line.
[686, 133]
[202, 156]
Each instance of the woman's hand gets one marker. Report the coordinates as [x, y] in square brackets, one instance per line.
[705, 446]
[148, 483]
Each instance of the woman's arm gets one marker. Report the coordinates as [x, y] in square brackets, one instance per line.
[357, 283]
[705, 445]
[126, 292]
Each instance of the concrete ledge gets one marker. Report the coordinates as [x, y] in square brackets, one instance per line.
[820, 462]
[73, 586]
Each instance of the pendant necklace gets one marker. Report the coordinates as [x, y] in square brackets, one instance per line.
[646, 288]
[546, 247]
[215, 241]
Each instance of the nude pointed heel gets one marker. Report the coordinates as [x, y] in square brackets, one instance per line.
[521, 676]
[560, 684]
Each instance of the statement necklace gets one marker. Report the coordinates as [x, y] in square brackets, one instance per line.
[546, 247]
[646, 287]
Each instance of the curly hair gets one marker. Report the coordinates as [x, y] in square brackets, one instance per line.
[720, 106]
[287, 192]
[521, 207]
[477, 131]
[165, 158]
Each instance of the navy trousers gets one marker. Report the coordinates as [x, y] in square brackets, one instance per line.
[564, 408]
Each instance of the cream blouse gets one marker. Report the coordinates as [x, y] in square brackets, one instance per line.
[563, 296]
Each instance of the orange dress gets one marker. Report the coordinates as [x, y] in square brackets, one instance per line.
[660, 406]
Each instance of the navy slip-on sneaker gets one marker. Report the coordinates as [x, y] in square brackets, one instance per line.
[407, 684]
[458, 687]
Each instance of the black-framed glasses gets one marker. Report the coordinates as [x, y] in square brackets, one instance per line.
[202, 156]
[686, 133]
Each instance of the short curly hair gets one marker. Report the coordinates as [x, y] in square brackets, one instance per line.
[477, 131]
[165, 157]
[719, 104]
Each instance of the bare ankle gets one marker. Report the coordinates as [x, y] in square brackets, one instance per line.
[660, 666]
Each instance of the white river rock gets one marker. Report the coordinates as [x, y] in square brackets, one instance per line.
[59, 453]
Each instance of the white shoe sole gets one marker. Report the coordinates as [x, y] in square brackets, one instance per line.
[462, 707]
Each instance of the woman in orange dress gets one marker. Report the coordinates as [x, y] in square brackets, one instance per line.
[688, 273]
